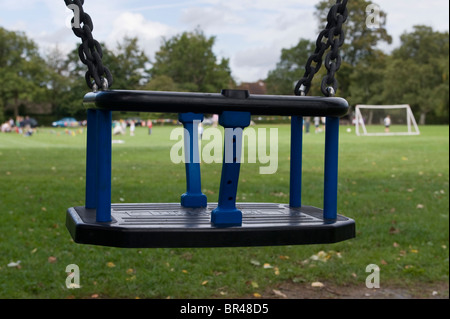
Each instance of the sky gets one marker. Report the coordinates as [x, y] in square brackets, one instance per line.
[251, 33]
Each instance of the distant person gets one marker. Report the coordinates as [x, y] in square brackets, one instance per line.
[323, 119]
[150, 126]
[317, 124]
[387, 123]
[307, 124]
[6, 127]
[132, 128]
[200, 130]
[215, 119]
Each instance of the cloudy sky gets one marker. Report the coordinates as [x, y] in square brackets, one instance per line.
[251, 33]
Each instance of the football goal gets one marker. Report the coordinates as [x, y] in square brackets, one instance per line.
[385, 120]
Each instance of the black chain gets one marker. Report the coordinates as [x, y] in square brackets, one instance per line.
[90, 51]
[334, 33]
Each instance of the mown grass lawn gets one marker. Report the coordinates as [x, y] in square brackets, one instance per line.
[396, 188]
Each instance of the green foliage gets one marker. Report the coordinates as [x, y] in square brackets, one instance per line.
[128, 63]
[188, 59]
[415, 73]
[289, 69]
[418, 72]
[22, 70]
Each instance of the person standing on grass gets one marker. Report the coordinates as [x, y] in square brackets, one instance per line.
[149, 125]
[387, 123]
[132, 128]
[307, 124]
[317, 124]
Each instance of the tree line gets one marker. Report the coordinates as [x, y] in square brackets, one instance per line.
[415, 73]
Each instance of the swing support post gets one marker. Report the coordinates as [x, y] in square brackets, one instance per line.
[226, 214]
[193, 198]
[331, 168]
[296, 162]
[98, 164]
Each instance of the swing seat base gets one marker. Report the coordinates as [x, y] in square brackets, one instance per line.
[169, 225]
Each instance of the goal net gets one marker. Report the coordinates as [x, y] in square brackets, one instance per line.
[385, 120]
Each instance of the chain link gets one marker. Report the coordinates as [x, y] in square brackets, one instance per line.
[335, 37]
[90, 51]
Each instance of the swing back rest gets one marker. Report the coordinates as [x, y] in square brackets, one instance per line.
[216, 103]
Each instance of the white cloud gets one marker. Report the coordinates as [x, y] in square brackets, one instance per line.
[148, 32]
[254, 63]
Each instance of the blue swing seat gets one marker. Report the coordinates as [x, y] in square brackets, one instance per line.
[194, 222]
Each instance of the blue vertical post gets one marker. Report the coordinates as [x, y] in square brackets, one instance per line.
[91, 160]
[104, 148]
[295, 199]
[226, 214]
[331, 168]
[193, 198]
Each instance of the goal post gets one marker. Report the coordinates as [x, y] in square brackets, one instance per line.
[385, 120]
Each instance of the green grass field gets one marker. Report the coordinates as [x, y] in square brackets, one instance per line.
[396, 188]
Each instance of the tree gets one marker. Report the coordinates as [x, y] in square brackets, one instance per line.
[59, 80]
[360, 45]
[289, 69]
[367, 80]
[128, 64]
[418, 73]
[188, 59]
[22, 70]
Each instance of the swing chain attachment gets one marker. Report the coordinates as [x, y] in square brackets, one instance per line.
[334, 33]
[90, 51]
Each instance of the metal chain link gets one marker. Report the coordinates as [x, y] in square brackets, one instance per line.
[90, 51]
[335, 37]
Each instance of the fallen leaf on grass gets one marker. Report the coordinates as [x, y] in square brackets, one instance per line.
[317, 284]
[205, 282]
[279, 293]
[393, 230]
[267, 266]
[254, 262]
[52, 259]
[276, 271]
[110, 264]
[325, 256]
[15, 264]
[254, 284]
[257, 295]
[73, 286]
